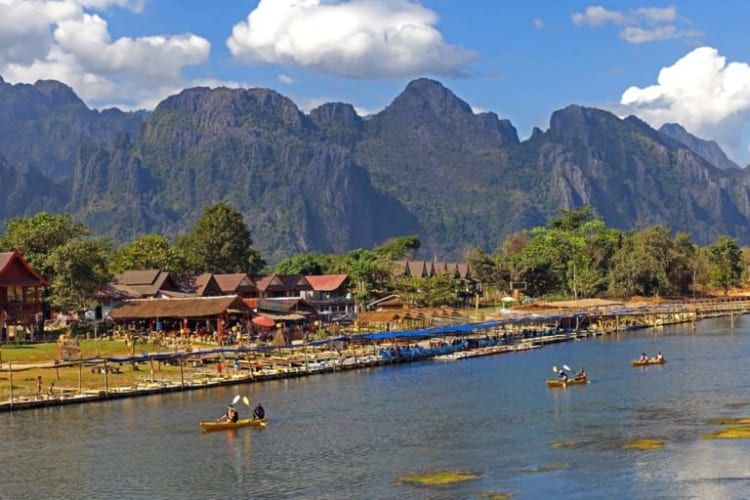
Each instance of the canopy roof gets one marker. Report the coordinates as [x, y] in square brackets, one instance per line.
[15, 271]
[192, 307]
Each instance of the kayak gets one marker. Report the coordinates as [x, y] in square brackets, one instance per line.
[638, 362]
[223, 426]
[560, 383]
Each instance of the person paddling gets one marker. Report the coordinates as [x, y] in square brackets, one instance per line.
[581, 375]
[259, 412]
[232, 415]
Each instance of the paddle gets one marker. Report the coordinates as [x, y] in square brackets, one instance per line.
[566, 367]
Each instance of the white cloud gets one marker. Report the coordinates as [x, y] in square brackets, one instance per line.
[645, 24]
[657, 15]
[25, 27]
[134, 5]
[285, 79]
[597, 16]
[634, 34]
[354, 38]
[59, 39]
[538, 23]
[702, 92]
[153, 57]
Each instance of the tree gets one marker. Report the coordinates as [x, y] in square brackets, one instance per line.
[683, 272]
[489, 269]
[220, 243]
[572, 220]
[80, 268]
[152, 251]
[398, 248]
[36, 237]
[647, 263]
[433, 291]
[309, 264]
[725, 263]
[361, 266]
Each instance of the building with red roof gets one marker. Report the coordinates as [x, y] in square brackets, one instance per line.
[20, 295]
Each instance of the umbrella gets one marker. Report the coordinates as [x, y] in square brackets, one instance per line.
[264, 321]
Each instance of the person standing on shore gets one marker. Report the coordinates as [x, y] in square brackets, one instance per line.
[39, 387]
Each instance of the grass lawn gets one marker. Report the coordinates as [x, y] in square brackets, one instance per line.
[84, 376]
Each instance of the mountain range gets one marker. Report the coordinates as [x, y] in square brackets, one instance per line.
[331, 180]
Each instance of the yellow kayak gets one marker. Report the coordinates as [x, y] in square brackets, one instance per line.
[571, 381]
[223, 426]
[638, 362]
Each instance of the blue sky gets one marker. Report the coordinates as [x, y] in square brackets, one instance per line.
[681, 61]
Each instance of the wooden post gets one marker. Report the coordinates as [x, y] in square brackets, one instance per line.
[10, 377]
[80, 376]
[106, 378]
[182, 377]
[307, 364]
[132, 352]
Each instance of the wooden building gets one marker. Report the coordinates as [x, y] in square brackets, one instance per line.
[20, 295]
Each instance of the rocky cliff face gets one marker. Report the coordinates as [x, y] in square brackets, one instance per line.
[291, 174]
[331, 181]
[43, 126]
[708, 150]
[24, 191]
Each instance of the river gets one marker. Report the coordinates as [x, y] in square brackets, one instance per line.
[354, 434]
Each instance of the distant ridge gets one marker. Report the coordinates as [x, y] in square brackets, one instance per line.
[331, 181]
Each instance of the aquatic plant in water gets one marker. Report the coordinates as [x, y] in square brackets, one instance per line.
[495, 496]
[729, 421]
[547, 468]
[645, 444]
[742, 432]
[438, 478]
[737, 405]
[567, 444]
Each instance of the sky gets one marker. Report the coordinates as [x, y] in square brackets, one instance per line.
[683, 61]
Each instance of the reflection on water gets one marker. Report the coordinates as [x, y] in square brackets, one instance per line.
[354, 434]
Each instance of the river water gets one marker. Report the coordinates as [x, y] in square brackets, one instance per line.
[354, 434]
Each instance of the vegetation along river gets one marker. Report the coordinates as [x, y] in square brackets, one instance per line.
[356, 434]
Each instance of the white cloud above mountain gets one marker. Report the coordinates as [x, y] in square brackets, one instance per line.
[59, 39]
[642, 25]
[355, 38]
[703, 93]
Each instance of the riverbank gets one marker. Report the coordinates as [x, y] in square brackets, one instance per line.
[111, 374]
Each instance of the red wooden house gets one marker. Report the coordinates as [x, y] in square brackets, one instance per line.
[20, 294]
